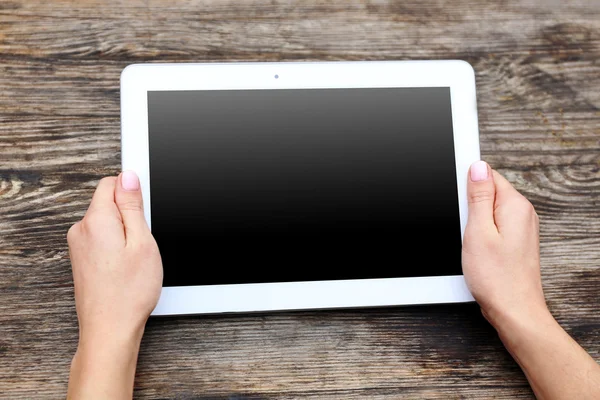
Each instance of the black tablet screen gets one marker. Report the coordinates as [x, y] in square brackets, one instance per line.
[253, 186]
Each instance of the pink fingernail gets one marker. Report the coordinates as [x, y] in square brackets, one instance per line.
[479, 171]
[130, 181]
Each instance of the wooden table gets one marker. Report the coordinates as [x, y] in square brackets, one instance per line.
[538, 76]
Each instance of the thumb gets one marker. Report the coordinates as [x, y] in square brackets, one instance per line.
[481, 194]
[128, 197]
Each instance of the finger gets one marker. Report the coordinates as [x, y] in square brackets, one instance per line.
[510, 205]
[104, 196]
[73, 232]
[481, 194]
[128, 196]
[102, 218]
[503, 186]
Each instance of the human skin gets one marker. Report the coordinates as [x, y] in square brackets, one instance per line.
[117, 272]
[501, 264]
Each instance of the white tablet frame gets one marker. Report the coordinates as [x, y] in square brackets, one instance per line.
[138, 79]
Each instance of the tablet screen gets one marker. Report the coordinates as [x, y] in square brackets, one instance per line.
[253, 186]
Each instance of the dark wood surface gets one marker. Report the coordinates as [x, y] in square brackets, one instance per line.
[538, 76]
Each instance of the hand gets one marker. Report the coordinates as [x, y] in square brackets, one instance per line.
[500, 254]
[117, 272]
[501, 264]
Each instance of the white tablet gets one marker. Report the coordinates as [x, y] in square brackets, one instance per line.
[284, 186]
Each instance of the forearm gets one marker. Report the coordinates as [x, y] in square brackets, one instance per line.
[555, 365]
[103, 370]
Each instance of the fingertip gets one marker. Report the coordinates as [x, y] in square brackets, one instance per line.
[502, 184]
[479, 171]
[129, 181]
[108, 181]
[128, 195]
[104, 195]
[480, 196]
[128, 198]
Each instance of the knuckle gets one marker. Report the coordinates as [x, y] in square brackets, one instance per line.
[94, 222]
[73, 232]
[480, 196]
[91, 220]
[523, 206]
[130, 205]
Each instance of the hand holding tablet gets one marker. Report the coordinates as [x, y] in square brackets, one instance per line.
[117, 276]
[306, 190]
[117, 267]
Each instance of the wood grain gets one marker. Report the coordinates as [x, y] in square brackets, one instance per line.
[538, 81]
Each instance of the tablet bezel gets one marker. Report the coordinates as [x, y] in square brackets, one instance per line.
[138, 79]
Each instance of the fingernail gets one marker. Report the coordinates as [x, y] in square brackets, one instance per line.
[479, 171]
[130, 181]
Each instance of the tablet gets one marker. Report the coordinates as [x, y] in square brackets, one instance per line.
[287, 186]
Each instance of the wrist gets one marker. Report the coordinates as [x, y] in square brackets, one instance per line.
[111, 333]
[517, 329]
[118, 343]
[104, 363]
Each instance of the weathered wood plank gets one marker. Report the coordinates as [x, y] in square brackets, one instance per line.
[539, 112]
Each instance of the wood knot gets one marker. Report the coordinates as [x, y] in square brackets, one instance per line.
[10, 188]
